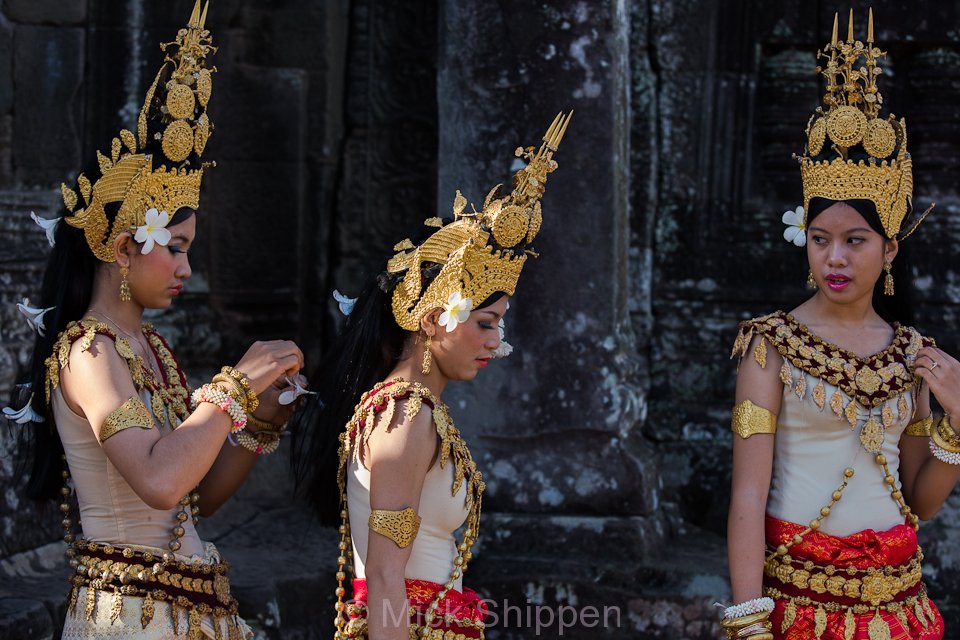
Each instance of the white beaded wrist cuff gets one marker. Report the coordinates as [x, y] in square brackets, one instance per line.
[943, 455]
[750, 606]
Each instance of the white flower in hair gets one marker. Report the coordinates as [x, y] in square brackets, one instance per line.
[154, 231]
[796, 231]
[455, 311]
[34, 315]
[505, 348]
[24, 415]
[345, 303]
[48, 226]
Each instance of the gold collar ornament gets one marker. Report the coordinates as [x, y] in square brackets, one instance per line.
[175, 107]
[480, 252]
[853, 153]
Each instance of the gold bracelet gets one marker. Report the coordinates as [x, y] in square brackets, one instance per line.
[233, 389]
[944, 436]
[399, 526]
[263, 426]
[252, 400]
[261, 442]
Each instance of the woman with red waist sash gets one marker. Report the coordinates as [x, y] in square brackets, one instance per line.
[836, 455]
[400, 481]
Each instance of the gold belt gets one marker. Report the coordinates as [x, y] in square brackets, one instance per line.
[200, 588]
[874, 585]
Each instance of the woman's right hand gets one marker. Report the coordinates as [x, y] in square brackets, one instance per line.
[266, 361]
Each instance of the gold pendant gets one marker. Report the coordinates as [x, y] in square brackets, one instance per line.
[116, 609]
[878, 628]
[785, 376]
[871, 436]
[789, 615]
[851, 413]
[849, 625]
[146, 611]
[819, 395]
[819, 622]
[760, 354]
[91, 602]
[918, 612]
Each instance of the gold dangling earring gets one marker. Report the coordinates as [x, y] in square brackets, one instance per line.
[427, 356]
[124, 285]
[811, 283]
[888, 281]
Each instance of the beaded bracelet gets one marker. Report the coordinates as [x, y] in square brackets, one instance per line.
[261, 443]
[943, 455]
[755, 605]
[233, 387]
[216, 396]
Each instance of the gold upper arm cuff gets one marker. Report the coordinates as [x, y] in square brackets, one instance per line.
[132, 413]
[749, 419]
[920, 427]
[399, 526]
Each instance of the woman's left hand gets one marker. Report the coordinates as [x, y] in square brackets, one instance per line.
[270, 409]
[941, 371]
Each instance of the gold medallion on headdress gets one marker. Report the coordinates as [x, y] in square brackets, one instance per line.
[176, 103]
[483, 252]
[853, 153]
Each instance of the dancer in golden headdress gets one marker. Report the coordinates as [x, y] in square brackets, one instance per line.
[836, 454]
[144, 456]
[406, 479]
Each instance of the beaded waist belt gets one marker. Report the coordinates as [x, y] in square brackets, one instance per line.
[848, 585]
[459, 615]
[200, 588]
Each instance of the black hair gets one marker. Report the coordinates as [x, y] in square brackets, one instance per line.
[898, 307]
[369, 346]
[68, 288]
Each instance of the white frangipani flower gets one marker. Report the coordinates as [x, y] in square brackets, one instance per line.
[154, 231]
[289, 396]
[34, 315]
[796, 231]
[455, 310]
[505, 347]
[24, 415]
[48, 226]
[345, 303]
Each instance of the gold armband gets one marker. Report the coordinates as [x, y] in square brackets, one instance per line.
[132, 413]
[749, 419]
[920, 427]
[944, 436]
[399, 526]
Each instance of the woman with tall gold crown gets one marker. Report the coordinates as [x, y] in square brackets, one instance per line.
[144, 455]
[836, 456]
[404, 480]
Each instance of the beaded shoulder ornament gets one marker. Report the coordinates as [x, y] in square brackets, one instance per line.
[169, 395]
[481, 252]
[866, 156]
[377, 407]
[177, 102]
[875, 384]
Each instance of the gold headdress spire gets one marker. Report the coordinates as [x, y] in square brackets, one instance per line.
[866, 156]
[480, 252]
[176, 106]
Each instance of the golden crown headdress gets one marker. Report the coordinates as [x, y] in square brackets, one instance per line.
[480, 252]
[176, 104]
[853, 153]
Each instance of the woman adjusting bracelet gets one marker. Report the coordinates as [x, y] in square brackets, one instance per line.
[144, 455]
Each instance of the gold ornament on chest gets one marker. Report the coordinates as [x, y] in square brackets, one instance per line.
[867, 380]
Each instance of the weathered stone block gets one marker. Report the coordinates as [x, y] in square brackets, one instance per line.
[48, 73]
[47, 12]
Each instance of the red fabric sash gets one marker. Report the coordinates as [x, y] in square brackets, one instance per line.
[860, 550]
[455, 605]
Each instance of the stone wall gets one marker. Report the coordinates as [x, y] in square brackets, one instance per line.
[342, 125]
